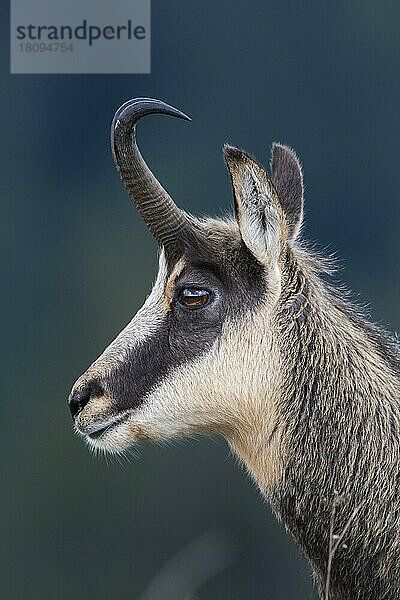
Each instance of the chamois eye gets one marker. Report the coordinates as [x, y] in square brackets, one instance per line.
[193, 298]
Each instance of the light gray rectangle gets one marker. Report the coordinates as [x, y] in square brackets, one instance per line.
[57, 36]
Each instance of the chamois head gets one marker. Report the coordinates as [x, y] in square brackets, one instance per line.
[201, 354]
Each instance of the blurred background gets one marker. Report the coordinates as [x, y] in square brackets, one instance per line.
[77, 262]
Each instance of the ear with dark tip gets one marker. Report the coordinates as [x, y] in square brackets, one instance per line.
[287, 178]
[257, 207]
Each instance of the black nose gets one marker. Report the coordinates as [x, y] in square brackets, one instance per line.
[80, 397]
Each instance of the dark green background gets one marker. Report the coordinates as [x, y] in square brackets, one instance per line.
[77, 262]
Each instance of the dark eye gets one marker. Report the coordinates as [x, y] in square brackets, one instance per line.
[193, 298]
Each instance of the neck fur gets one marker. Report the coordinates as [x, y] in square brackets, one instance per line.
[333, 437]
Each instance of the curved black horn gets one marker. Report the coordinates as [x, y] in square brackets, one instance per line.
[164, 219]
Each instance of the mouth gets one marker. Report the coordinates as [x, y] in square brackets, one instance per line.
[112, 435]
[97, 432]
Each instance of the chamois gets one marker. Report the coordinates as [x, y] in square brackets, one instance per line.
[242, 336]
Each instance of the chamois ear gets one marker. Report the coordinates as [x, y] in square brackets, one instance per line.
[258, 211]
[287, 178]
